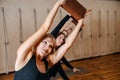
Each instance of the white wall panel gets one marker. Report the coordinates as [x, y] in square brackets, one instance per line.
[2, 45]
[111, 31]
[12, 21]
[95, 32]
[117, 31]
[86, 39]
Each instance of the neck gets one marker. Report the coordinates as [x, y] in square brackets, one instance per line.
[38, 57]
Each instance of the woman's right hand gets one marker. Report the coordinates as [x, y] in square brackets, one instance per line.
[61, 2]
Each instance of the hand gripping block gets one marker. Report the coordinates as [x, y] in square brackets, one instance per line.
[74, 8]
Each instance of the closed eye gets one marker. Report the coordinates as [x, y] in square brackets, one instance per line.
[45, 42]
[51, 46]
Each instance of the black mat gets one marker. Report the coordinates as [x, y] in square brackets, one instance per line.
[70, 72]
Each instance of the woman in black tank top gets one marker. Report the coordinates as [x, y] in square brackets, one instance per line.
[32, 61]
[36, 55]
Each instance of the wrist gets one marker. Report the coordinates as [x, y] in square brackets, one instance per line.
[57, 4]
[60, 2]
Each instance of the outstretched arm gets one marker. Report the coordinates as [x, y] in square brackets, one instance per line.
[69, 41]
[60, 25]
[26, 47]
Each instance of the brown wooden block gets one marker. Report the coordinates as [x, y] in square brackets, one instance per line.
[74, 8]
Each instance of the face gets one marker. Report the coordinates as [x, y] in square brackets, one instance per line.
[45, 47]
[60, 40]
[65, 32]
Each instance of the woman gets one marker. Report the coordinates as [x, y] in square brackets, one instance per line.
[33, 55]
[60, 40]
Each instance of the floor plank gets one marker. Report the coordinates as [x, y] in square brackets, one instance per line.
[98, 68]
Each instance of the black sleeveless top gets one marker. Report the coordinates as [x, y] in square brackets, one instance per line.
[30, 71]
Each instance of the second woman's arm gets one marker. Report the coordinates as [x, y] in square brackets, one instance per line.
[63, 49]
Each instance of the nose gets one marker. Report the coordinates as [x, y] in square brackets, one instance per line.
[46, 48]
[62, 41]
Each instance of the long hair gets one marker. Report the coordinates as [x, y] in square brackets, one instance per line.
[60, 33]
[46, 36]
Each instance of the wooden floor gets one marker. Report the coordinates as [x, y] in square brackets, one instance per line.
[99, 68]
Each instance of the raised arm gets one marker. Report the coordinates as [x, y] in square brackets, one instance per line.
[69, 41]
[26, 47]
[60, 25]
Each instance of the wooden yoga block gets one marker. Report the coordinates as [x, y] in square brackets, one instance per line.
[74, 8]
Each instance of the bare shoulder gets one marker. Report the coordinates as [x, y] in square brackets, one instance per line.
[20, 63]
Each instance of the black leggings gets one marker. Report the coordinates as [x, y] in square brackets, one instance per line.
[58, 68]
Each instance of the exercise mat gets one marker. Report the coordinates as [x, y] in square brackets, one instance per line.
[69, 72]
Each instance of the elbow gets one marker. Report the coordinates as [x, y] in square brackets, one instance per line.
[69, 44]
[19, 51]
